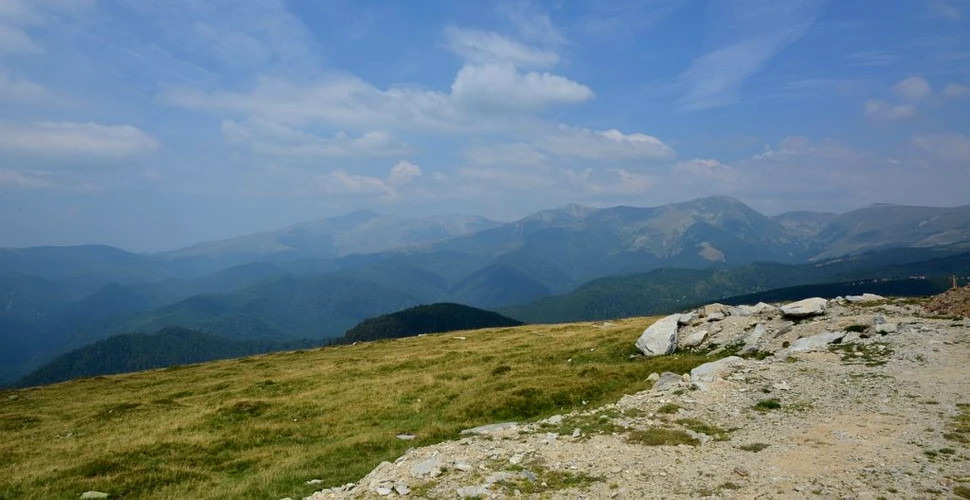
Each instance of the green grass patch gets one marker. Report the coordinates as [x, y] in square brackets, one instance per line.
[661, 437]
[262, 427]
[715, 432]
[668, 409]
[753, 447]
[767, 404]
[958, 429]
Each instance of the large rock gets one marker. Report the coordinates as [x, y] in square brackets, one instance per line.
[695, 339]
[759, 308]
[667, 380]
[753, 339]
[815, 342]
[659, 338]
[807, 307]
[709, 372]
[714, 309]
[866, 297]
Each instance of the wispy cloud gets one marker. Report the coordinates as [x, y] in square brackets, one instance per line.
[749, 33]
[623, 18]
[74, 140]
[870, 58]
[485, 47]
[944, 10]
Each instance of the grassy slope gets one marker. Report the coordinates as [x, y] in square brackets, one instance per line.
[260, 427]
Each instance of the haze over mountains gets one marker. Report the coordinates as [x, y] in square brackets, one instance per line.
[314, 281]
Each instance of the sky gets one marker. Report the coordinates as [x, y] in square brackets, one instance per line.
[154, 124]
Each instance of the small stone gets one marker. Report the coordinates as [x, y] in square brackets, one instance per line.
[742, 471]
[781, 386]
[515, 459]
[577, 432]
[314, 481]
[383, 491]
[653, 377]
[406, 437]
[554, 420]
[402, 489]
[884, 328]
[463, 466]
[92, 495]
[472, 491]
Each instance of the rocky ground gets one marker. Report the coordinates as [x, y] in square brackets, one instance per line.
[955, 301]
[856, 397]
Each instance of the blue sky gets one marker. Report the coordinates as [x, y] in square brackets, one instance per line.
[152, 124]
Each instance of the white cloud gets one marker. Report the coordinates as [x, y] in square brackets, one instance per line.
[340, 182]
[603, 144]
[885, 111]
[19, 90]
[705, 170]
[403, 172]
[954, 147]
[532, 24]
[14, 40]
[277, 140]
[16, 14]
[913, 88]
[74, 140]
[501, 88]
[490, 91]
[753, 32]
[956, 91]
[485, 47]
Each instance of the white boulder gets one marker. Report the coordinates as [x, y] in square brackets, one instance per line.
[806, 307]
[659, 338]
[815, 342]
[709, 372]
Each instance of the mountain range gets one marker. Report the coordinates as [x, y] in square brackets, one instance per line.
[315, 280]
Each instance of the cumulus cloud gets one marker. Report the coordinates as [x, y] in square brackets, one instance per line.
[74, 140]
[913, 88]
[403, 172]
[485, 47]
[272, 139]
[502, 88]
[340, 182]
[494, 91]
[956, 91]
[886, 111]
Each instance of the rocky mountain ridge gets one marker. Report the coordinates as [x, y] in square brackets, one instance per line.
[854, 397]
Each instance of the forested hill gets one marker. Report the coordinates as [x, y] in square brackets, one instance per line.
[135, 352]
[434, 318]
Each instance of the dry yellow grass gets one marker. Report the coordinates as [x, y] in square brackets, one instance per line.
[260, 427]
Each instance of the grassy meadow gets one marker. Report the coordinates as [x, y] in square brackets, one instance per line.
[260, 427]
